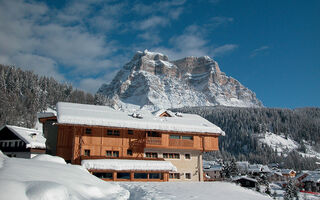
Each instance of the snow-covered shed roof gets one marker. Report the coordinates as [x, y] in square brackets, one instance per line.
[93, 115]
[33, 138]
[213, 168]
[124, 164]
[244, 177]
[47, 113]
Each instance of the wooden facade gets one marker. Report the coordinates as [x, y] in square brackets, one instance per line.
[75, 141]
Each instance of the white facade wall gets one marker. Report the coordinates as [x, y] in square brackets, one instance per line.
[193, 166]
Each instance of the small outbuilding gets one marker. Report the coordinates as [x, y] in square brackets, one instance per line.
[21, 142]
[245, 181]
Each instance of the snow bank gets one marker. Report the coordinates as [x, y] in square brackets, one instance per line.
[2, 156]
[117, 164]
[26, 179]
[49, 158]
[191, 190]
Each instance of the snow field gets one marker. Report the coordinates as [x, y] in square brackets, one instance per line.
[190, 191]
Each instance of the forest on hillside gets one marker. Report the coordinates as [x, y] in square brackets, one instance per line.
[24, 93]
[243, 124]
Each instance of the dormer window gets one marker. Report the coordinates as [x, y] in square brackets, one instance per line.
[136, 115]
[33, 135]
[165, 114]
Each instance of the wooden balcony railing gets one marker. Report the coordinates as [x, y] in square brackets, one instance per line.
[153, 140]
[180, 143]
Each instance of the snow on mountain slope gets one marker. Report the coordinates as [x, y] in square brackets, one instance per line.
[278, 142]
[26, 179]
[150, 81]
[284, 145]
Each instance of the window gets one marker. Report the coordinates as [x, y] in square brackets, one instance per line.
[87, 152]
[153, 134]
[174, 136]
[109, 132]
[16, 143]
[123, 175]
[151, 155]
[113, 132]
[140, 175]
[130, 132]
[112, 153]
[174, 175]
[1, 144]
[116, 132]
[184, 137]
[171, 155]
[129, 152]
[187, 156]
[108, 153]
[154, 175]
[188, 175]
[88, 130]
[103, 175]
[115, 154]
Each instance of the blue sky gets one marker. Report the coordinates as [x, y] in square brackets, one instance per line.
[270, 46]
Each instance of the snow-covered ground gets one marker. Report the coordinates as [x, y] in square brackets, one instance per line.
[47, 177]
[190, 190]
[26, 179]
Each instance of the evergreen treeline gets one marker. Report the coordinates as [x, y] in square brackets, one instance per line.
[24, 93]
[243, 124]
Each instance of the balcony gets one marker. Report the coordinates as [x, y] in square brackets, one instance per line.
[153, 140]
[180, 143]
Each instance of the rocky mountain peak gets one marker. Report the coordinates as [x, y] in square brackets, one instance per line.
[151, 81]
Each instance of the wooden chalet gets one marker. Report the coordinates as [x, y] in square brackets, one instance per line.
[83, 134]
[21, 142]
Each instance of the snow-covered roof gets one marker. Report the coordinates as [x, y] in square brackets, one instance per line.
[47, 113]
[124, 164]
[287, 171]
[93, 115]
[33, 138]
[213, 168]
[244, 177]
[312, 178]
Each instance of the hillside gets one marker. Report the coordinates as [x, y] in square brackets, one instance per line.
[151, 81]
[24, 93]
[267, 135]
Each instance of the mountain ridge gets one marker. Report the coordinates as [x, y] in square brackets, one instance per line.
[150, 81]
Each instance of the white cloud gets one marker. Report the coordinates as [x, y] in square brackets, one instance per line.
[193, 42]
[224, 49]
[154, 21]
[259, 50]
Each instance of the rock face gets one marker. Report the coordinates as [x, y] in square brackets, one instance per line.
[150, 81]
